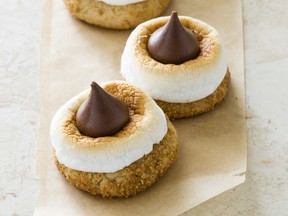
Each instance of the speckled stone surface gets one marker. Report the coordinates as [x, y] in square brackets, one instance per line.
[19, 104]
[265, 191]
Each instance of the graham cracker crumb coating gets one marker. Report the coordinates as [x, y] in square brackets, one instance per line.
[183, 110]
[132, 179]
[113, 16]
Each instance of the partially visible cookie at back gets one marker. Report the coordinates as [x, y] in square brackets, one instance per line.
[116, 14]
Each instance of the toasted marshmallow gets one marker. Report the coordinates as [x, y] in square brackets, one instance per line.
[121, 2]
[191, 81]
[147, 127]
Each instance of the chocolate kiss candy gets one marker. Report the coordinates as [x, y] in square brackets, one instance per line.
[101, 114]
[173, 43]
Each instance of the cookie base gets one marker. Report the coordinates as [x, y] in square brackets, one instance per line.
[132, 179]
[184, 110]
[116, 17]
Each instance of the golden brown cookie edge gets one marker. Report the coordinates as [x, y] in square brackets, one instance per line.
[185, 110]
[132, 179]
[116, 17]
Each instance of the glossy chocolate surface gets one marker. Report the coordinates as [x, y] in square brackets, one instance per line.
[173, 43]
[101, 114]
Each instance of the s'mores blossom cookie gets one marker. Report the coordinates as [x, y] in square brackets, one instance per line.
[116, 14]
[113, 141]
[180, 62]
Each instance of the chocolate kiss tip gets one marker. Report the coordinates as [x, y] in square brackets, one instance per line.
[101, 114]
[173, 43]
[94, 84]
[174, 13]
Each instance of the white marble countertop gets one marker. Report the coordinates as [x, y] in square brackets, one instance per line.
[265, 191]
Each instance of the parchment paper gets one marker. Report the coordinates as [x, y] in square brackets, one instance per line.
[212, 146]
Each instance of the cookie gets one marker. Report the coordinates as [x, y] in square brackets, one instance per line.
[185, 87]
[132, 179]
[120, 164]
[116, 14]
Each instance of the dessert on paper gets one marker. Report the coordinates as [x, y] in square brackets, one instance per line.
[212, 146]
[113, 140]
[180, 62]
